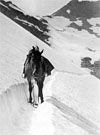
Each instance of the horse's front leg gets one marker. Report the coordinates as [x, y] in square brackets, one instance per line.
[30, 93]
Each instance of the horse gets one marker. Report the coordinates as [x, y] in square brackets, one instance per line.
[36, 68]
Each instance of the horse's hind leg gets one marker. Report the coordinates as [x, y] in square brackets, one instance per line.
[40, 85]
[30, 93]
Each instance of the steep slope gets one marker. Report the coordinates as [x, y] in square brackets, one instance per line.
[76, 27]
[77, 22]
[30, 23]
[69, 20]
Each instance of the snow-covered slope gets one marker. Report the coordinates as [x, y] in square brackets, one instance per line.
[75, 28]
[72, 96]
[77, 21]
[67, 21]
[80, 13]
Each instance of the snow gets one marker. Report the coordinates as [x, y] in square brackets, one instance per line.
[14, 7]
[27, 23]
[14, 115]
[94, 21]
[58, 23]
[72, 96]
[73, 41]
[68, 11]
[4, 5]
[87, 0]
[78, 93]
[41, 118]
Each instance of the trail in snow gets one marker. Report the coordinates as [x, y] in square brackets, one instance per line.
[73, 73]
[20, 118]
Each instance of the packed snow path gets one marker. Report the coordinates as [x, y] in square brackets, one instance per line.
[18, 117]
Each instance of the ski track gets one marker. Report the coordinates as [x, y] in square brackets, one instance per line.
[74, 117]
[68, 112]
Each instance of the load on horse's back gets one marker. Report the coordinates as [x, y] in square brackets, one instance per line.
[36, 67]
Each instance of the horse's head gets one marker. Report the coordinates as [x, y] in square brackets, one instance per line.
[37, 64]
[37, 54]
[33, 61]
[34, 54]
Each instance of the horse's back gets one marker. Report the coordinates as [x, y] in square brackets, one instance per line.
[48, 66]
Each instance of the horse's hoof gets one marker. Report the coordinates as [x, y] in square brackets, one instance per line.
[35, 105]
[23, 76]
[42, 101]
[30, 101]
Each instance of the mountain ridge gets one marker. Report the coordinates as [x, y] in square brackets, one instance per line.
[30, 23]
[81, 11]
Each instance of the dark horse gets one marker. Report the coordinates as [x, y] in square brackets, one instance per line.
[36, 68]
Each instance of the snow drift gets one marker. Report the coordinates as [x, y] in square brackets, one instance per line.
[13, 111]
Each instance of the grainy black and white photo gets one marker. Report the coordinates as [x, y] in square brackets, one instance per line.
[49, 67]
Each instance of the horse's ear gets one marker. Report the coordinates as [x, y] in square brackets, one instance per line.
[42, 51]
[37, 48]
[33, 48]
